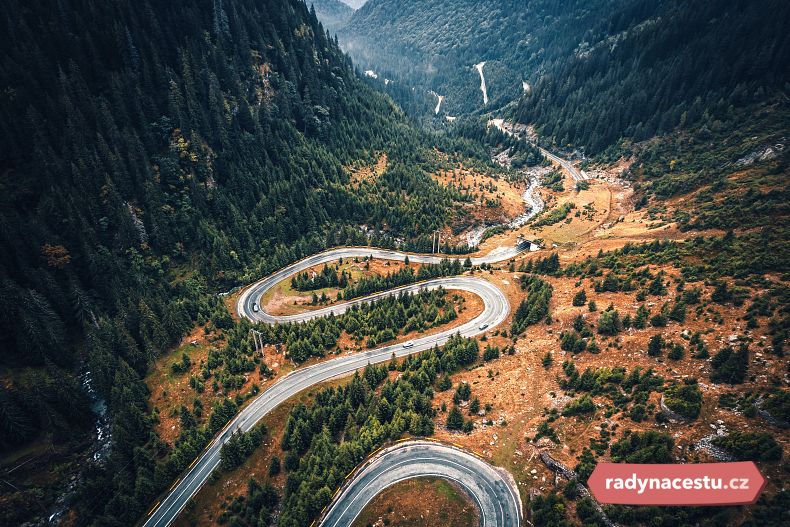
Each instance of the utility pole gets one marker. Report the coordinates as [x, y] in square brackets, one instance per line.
[436, 241]
[257, 338]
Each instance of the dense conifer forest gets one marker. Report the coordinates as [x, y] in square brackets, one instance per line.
[434, 44]
[668, 64]
[153, 154]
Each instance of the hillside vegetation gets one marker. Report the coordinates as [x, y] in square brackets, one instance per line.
[333, 14]
[152, 154]
[667, 64]
[434, 44]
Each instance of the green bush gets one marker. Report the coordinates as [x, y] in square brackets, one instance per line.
[580, 298]
[643, 447]
[748, 446]
[684, 399]
[729, 366]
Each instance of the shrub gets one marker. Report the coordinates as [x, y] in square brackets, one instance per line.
[580, 298]
[676, 353]
[609, 322]
[547, 360]
[678, 312]
[582, 405]
[455, 419]
[274, 466]
[638, 413]
[655, 345]
[748, 446]
[572, 341]
[729, 366]
[778, 405]
[721, 294]
[684, 399]
[491, 353]
[643, 447]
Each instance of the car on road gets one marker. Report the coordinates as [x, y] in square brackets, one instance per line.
[408, 344]
[483, 326]
[255, 307]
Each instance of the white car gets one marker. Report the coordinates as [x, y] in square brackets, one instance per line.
[255, 307]
[408, 344]
[483, 326]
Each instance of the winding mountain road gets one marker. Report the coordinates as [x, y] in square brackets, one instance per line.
[575, 174]
[507, 128]
[495, 311]
[492, 488]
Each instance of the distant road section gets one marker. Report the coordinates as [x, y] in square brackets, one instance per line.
[495, 311]
[507, 128]
[575, 174]
[492, 489]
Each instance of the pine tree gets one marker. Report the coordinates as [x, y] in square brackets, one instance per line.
[455, 419]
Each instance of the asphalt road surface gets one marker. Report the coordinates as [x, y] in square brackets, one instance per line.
[244, 306]
[496, 309]
[575, 174]
[493, 489]
[506, 128]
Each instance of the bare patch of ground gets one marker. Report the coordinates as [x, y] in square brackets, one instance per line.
[419, 502]
[521, 390]
[170, 391]
[486, 189]
[368, 173]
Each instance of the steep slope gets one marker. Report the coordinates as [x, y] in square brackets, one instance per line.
[333, 14]
[151, 153]
[695, 95]
[354, 4]
[435, 44]
[607, 76]
[665, 64]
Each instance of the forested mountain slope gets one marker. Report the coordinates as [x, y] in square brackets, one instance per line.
[696, 95]
[580, 56]
[354, 4]
[653, 66]
[333, 14]
[151, 154]
[434, 44]
[686, 89]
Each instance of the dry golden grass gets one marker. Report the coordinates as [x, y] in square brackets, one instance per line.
[419, 502]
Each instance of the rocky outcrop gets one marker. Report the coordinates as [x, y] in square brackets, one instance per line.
[571, 475]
